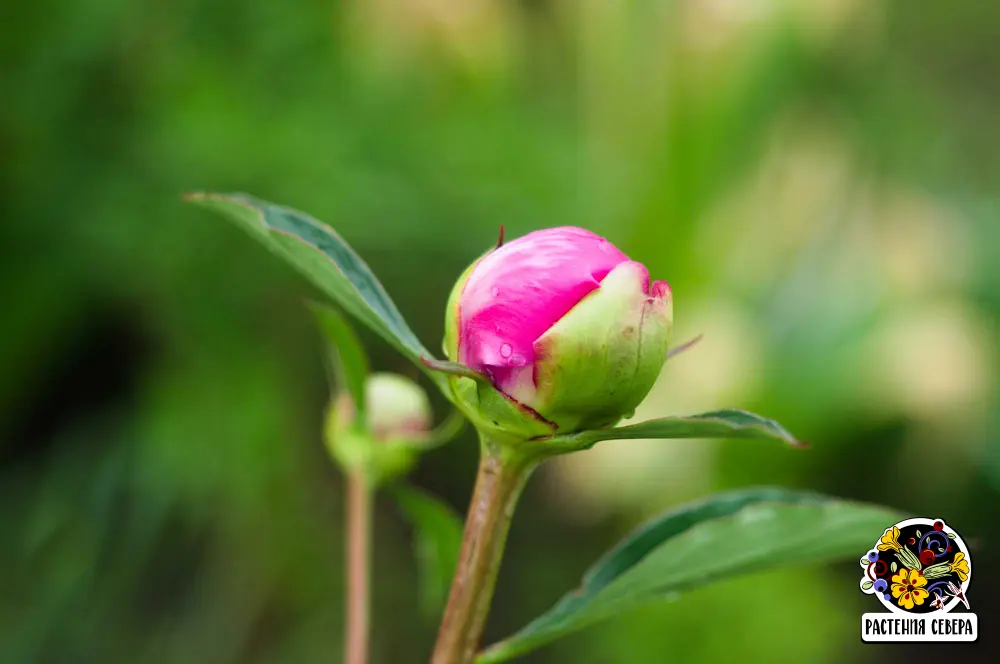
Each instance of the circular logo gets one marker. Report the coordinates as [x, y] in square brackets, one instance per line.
[918, 566]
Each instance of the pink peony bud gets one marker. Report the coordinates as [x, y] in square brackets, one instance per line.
[563, 323]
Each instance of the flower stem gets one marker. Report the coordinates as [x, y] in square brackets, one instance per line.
[359, 526]
[502, 475]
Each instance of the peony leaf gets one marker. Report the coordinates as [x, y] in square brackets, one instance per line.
[324, 258]
[693, 545]
[716, 424]
[437, 540]
[347, 359]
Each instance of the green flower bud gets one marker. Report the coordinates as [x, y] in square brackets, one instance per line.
[397, 422]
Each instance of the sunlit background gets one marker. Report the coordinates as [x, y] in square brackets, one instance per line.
[817, 180]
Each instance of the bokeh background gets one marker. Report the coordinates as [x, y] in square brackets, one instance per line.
[817, 180]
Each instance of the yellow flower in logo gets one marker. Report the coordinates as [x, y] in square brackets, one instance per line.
[960, 566]
[908, 588]
[890, 540]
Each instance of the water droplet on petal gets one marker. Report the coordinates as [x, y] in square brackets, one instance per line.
[496, 291]
[505, 351]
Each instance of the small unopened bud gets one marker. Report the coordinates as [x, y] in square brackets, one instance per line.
[398, 420]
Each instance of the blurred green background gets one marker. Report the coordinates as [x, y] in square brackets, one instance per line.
[817, 180]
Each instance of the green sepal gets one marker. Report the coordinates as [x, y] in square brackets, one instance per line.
[599, 361]
[355, 451]
[349, 446]
[494, 413]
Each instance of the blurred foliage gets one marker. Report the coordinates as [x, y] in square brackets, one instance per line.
[817, 180]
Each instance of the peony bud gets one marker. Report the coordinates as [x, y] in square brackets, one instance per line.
[398, 420]
[563, 324]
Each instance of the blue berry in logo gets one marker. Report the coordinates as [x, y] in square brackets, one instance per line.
[873, 556]
[888, 597]
[880, 586]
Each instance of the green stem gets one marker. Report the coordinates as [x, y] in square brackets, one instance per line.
[501, 478]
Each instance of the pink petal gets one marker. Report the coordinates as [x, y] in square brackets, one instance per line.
[659, 289]
[520, 290]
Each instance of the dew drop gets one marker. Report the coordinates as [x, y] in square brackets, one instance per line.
[496, 292]
[505, 351]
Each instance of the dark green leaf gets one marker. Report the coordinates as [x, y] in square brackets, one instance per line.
[716, 424]
[721, 537]
[321, 255]
[348, 361]
[437, 539]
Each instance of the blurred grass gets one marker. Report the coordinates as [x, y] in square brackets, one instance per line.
[816, 180]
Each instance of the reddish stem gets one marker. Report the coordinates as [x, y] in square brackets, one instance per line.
[359, 515]
[501, 478]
